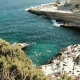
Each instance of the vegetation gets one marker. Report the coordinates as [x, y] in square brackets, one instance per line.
[15, 65]
[77, 5]
[65, 77]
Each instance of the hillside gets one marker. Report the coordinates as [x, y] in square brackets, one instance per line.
[15, 65]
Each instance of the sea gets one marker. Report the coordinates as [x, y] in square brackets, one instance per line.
[44, 36]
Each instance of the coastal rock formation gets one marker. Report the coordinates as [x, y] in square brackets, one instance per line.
[68, 12]
[67, 61]
[75, 2]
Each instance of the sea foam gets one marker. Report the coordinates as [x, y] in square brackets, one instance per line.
[56, 23]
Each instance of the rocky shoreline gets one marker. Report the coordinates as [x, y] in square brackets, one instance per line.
[67, 61]
[67, 13]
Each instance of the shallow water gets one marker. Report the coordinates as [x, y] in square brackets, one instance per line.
[45, 38]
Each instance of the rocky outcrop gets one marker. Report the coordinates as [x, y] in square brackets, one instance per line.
[67, 61]
[66, 13]
[78, 60]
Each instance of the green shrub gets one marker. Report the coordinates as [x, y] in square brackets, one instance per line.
[15, 65]
[65, 77]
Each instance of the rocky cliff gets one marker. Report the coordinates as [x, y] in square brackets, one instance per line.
[70, 18]
[67, 61]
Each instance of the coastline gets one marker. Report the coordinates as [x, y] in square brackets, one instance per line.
[45, 40]
[60, 12]
[67, 61]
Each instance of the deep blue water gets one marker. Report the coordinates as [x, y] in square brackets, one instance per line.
[45, 39]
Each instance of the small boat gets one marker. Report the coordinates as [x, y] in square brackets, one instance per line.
[22, 45]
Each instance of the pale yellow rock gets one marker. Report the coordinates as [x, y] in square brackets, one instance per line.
[75, 1]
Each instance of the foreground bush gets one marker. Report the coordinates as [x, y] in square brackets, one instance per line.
[65, 77]
[15, 65]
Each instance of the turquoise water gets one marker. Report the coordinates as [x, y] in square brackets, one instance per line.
[45, 38]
